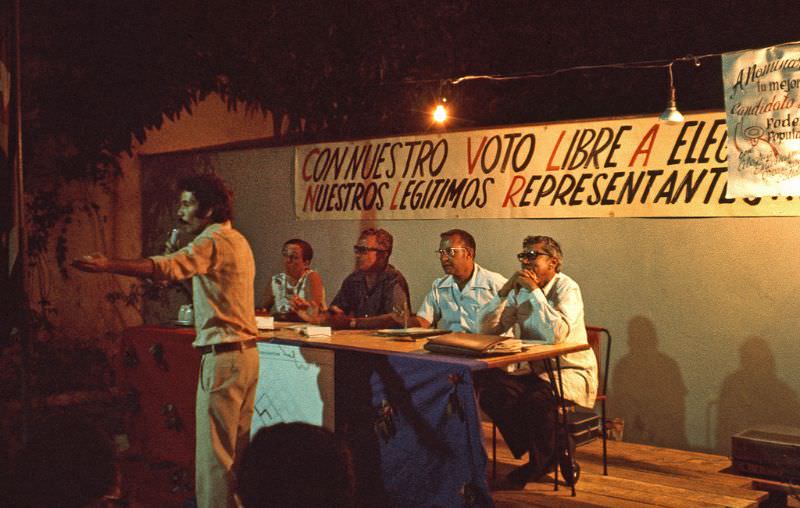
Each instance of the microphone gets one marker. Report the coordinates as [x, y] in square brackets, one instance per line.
[172, 241]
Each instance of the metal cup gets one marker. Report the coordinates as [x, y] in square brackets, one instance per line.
[186, 313]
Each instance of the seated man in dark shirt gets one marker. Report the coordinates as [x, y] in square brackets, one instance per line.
[375, 295]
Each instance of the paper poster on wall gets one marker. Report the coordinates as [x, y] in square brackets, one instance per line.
[621, 167]
[762, 97]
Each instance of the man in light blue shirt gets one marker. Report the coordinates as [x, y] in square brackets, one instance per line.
[455, 299]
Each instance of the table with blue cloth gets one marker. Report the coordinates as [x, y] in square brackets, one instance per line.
[409, 416]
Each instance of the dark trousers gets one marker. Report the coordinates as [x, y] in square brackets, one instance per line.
[524, 408]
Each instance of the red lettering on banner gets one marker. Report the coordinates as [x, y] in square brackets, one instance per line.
[470, 160]
[550, 166]
[306, 176]
[651, 135]
[393, 206]
[513, 192]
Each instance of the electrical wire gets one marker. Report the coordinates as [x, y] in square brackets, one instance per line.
[644, 64]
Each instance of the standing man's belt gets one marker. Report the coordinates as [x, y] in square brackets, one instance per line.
[227, 346]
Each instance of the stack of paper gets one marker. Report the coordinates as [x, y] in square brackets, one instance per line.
[265, 322]
[316, 331]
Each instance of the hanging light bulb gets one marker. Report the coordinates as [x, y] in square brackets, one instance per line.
[671, 115]
[440, 112]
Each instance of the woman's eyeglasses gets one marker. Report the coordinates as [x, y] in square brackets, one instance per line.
[530, 255]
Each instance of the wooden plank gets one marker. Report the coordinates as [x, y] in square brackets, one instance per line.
[775, 486]
[562, 497]
[647, 458]
[598, 490]
[369, 341]
[734, 486]
[654, 458]
[645, 474]
[708, 483]
[357, 340]
[532, 353]
[667, 495]
[661, 461]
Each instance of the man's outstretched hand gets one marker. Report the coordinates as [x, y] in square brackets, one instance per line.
[94, 263]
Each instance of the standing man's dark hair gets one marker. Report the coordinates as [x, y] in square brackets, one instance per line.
[211, 193]
[296, 465]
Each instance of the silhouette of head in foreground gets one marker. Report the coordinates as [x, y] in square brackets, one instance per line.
[296, 465]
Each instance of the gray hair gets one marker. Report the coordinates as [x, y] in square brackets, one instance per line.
[549, 246]
[383, 237]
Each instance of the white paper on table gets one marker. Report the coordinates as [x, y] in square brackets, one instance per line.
[265, 322]
[316, 331]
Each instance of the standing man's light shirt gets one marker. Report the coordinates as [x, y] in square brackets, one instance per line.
[220, 263]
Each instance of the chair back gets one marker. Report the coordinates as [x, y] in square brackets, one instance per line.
[596, 336]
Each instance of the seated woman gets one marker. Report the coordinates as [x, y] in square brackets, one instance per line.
[297, 281]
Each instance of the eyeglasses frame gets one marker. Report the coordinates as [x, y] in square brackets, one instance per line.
[440, 252]
[530, 255]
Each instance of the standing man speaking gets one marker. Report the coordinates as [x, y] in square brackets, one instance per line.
[220, 263]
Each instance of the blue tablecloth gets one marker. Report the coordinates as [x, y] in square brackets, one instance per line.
[414, 429]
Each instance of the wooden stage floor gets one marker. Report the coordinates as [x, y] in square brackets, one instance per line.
[638, 475]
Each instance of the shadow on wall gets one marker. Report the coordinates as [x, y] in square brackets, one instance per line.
[648, 392]
[753, 395]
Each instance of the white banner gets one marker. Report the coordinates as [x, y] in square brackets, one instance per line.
[762, 97]
[631, 167]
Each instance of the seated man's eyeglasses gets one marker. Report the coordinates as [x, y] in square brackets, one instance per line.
[449, 252]
[359, 249]
[530, 255]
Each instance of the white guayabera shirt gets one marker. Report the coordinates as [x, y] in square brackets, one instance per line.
[552, 315]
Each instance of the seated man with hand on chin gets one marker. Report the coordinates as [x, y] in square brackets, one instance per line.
[548, 308]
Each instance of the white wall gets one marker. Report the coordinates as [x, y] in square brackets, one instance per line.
[703, 311]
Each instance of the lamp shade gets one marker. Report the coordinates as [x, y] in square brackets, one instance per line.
[671, 115]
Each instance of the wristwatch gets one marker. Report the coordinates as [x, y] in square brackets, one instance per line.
[353, 322]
